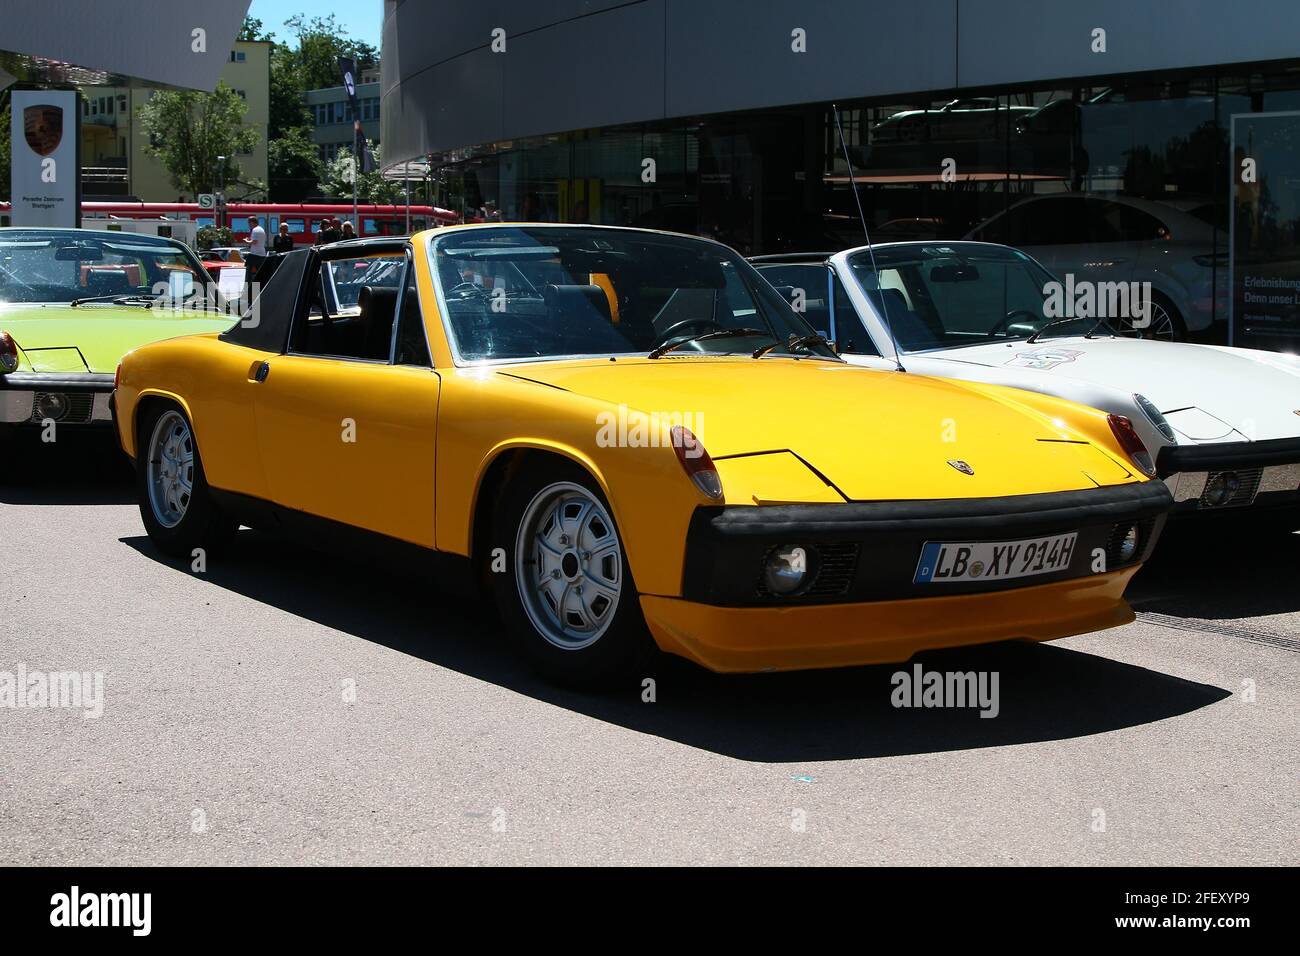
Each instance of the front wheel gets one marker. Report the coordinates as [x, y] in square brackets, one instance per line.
[175, 503]
[567, 595]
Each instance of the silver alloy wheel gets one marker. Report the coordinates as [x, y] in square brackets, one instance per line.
[1162, 325]
[170, 468]
[568, 565]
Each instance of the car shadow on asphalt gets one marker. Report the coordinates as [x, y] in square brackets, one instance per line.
[81, 467]
[1045, 692]
[1218, 572]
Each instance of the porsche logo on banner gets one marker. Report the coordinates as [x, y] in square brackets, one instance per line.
[44, 135]
[43, 128]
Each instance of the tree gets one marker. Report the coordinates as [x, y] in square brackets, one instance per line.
[321, 41]
[187, 131]
[4, 149]
[287, 109]
[253, 30]
[292, 165]
[371, 187]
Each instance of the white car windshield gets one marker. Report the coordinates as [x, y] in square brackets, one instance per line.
[950, 294]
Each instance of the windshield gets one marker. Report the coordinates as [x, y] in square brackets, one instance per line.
[60, 266]
[552, 291]
[944, 295]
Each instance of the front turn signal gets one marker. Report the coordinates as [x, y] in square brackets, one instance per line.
[695, 461]
[1129, 440]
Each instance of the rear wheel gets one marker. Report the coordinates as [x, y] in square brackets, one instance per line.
[1166, 323]
[567, 596]
[175, 503]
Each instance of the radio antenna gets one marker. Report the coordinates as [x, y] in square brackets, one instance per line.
[862, 217]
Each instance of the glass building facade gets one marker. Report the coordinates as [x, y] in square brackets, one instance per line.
[1189, 180]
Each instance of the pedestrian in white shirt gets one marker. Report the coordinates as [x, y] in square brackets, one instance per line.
[257, 240]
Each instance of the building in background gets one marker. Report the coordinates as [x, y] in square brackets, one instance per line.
[113, 153]
[331, 115]
[1103, 138]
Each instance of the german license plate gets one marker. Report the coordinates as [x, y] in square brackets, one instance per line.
[966, 561]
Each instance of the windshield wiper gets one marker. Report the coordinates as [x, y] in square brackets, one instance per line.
[716, 334]
[116, 298]
[796, 341]
[1037, 332]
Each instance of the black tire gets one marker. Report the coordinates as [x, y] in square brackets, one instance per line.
[623, 650]
[203, 524]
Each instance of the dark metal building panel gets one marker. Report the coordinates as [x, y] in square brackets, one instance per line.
[1020, 41]
[584, 63]
[454, 103]
[141, 41]
[724, 56]
[593, 71]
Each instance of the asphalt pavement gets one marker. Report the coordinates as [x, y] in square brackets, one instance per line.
[285, 706]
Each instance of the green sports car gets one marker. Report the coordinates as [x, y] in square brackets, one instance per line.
[73, 302]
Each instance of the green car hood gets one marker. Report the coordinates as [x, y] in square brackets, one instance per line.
[93, 338]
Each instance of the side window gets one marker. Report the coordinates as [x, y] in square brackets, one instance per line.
[412, 348]
[1104, 221]
[1140, 226]
[853, 338]
[806, 282]
[352, 309]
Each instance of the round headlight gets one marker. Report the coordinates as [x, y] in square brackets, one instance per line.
[786, 570]
[1155, 417]
[51, 405]
[1128, 548]
[1220, 488]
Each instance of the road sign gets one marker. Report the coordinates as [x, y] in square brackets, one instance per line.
[207, 201]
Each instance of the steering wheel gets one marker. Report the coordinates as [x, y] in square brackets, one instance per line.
[465, 288]
[1006, 320]
[672, 331]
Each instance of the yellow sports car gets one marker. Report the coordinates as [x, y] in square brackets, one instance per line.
[633, 440]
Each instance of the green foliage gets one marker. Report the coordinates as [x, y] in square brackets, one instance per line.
[321, 41]
[287, 109]
[187, 131]
[4, 150]
[254, 30]
[209, 236]
[336, 182]
[293, 165]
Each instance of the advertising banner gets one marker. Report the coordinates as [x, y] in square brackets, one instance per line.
[45, 138]
[1265, 264]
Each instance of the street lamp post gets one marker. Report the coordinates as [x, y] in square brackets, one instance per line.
[221, 192]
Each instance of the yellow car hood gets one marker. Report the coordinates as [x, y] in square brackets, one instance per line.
[873, 435]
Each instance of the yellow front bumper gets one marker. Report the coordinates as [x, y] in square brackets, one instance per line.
[842, 635]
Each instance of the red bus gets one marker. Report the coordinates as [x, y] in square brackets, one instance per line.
[303, 218]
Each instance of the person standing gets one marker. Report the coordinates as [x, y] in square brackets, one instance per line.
[283, 242]
[257, 239]
[348, 231]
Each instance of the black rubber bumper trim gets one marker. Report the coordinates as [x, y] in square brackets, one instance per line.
[57, 382]
[1228, 456]
[727, 545]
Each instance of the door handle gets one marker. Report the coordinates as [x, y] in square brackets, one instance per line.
[259, 372]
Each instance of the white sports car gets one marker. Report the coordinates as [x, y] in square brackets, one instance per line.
[1222, 424]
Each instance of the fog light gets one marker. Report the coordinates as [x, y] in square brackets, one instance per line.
[50, 405]
[1220, 488]
[786, 569]
[1128, 548]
